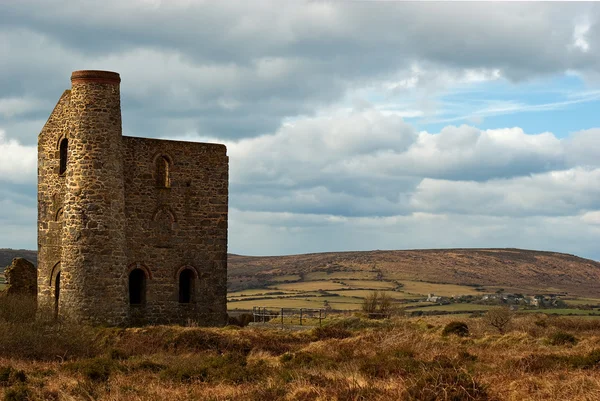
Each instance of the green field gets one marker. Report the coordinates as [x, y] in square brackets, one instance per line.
[309, 286]
[288, 277]
[452, 308]
[313, 303]
[257, 291]
[446, 290]
[346, 290]
[370, 284]
[364, 293]
[562, 311]
[583, 301]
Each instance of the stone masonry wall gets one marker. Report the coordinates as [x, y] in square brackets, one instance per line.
[108, 214]
[182, 226]
[51, 194]
[93, 280]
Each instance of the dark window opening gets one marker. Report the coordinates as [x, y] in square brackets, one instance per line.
[186, 286]
[137, 287]
[64, 146]
[56, 293]
[162, 173]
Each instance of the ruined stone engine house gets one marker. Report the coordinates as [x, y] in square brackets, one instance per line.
[130, 230]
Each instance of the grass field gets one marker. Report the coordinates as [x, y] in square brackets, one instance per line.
[363, 293]
[370, 284]
[583, 301]
[349, 358]
[289, 277]
[563, 311]
[424, 288]
[276, 303]
[309, 286]
[452, 308]
[257, 291]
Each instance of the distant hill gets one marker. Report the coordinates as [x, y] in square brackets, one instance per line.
[7, 255]
[514, 270]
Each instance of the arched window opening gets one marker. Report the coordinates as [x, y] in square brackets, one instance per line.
[56, 293]
[163, 179]
[64, 146]
[163, 222]
[186, 286]
[137, 287]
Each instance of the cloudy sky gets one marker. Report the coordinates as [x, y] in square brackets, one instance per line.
[349, 125]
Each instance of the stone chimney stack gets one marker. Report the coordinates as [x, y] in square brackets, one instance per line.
[93, 255]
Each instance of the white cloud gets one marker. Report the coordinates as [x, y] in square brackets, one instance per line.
[18, 163]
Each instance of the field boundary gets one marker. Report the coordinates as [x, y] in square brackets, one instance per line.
[288, 316]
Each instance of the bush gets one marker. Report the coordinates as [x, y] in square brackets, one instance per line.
[377, 305]
[96, 369]
[18, 393]
[562, 338]
[242, 320]
[499, 318]
[460, 329]
[539, 363]
[384, 365]
[17, 308]
[589, 361]
[149, 366]
[10, 376]
[445, 384]
[326, 332]
[229, 368]
[47, 340]
[306, 360]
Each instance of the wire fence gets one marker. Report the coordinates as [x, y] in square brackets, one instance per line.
[289, 316]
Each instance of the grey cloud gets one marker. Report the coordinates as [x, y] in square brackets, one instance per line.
[273, 62]
[292, 233]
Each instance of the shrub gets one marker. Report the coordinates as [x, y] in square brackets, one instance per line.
[149, 366]
[326, 332]
[47, 340]
[118, 354]
[445, 384]
[242, 320]
[10, 376]
[230, 368]
[562, 338]
[589, 361]
[385, 364]
[377, 305]
[17, 393]
[306, 360]
[460, 329]
[96, 369]
[499, 318]
[17, 308]
[538, 363]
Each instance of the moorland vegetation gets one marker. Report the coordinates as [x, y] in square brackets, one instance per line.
[533, 357]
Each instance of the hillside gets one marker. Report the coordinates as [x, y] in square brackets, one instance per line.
[513, 270]
[7, 255]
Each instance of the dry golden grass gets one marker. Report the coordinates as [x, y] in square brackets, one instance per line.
[349, 359]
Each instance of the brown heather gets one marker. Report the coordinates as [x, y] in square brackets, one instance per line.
[350, 359]
[110, 206]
